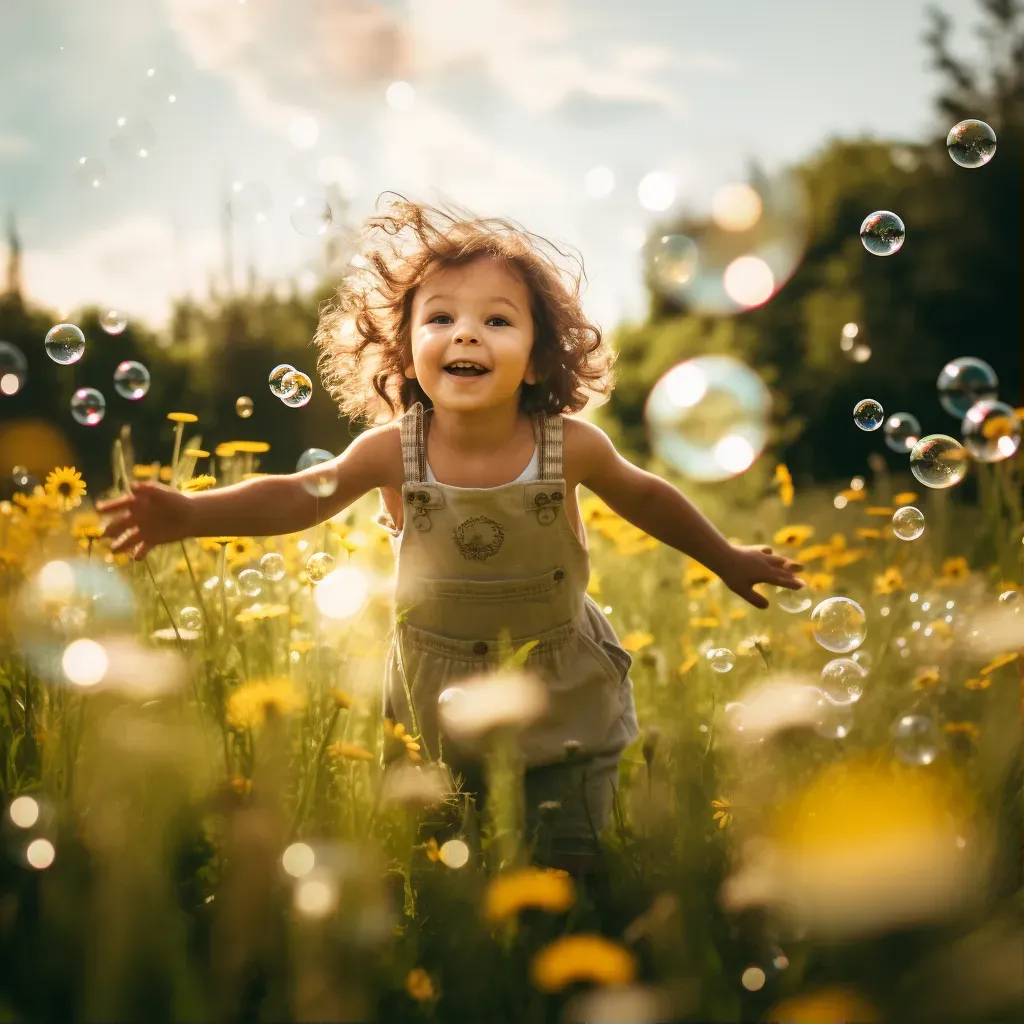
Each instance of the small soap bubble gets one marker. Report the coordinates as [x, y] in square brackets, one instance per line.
[963, 383]
[673, 262]
[299, 387]
[882, 233]
[991, 431]
[840, 624]
[190, 618]
[938, 461]
[243, 407]
[319, 565]
[88, 406]
[971, 143]
[311, 217]
[916, 739]
[902, 431]
[65, 344]
[272, 565]
[868, 414]
[842, 680]
[250, 582]
[277, 383]
[90, 172]
[13, 369]
[721, 659]
[320, 485]
[793, 601]
[20, 476]
[131, 380]
[708, 417]
[908, 522]
[113, 321]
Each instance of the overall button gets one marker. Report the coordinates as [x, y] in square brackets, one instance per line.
[479, 647]
[421, 522]
[541, 499]
[546, 515]
[559, 575]
[556, 496]
[423, 497]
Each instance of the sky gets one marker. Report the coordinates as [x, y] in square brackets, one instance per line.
[505, 107]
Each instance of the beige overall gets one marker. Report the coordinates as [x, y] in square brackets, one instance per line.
[471, 562]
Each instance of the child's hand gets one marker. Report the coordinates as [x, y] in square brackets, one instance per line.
[752, 564]
[152, 514]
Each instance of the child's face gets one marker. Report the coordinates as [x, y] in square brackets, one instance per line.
[478, 313]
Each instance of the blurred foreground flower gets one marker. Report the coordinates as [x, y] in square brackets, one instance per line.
[865, 847]
[248, 706]
[66, 487]
[793, 536]
[576, 958]
[540, 888]
[420, 986]
[723, 812]
[769, 708]
[826, 1006]
[501, 700]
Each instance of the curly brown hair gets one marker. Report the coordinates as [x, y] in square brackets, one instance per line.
[363, 333]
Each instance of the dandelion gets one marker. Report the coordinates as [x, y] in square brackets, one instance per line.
[203, 482]
[999, 662]
[65, 487]
[758, 643]
[576, 958]
[420, 986]
[637, 640]
[925, 678]
[723, 811]
[793, 536]
[348, 752]
[889, 581]
[542, 888]
[247, 707]
[262, 612]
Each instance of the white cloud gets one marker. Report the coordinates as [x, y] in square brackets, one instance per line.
[135, 265]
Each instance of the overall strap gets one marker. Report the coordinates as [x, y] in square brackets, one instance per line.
[414, 457]
[551, 448]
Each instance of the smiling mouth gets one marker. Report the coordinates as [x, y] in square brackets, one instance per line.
[466, 371]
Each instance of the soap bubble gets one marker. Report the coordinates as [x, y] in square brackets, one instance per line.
[65, 344]
[250, 582]
[916, 739]
[708, 417]
[938, 461]
[131, 380]
[272, 565]
[840, 624]
[991, 431]
[793, 601]
[133, 137]
[13, 369]
[319, 565]
[88, 406]
[908, 522]
[277, 383]
[842, 680]
[721, 659]
[190, 618]
[971, 143]
[90, 172]
[310, 217]
[863, 659]
[902, 431]
[867, 414]
[673, 262]
[251, 201]
[834, 721]
[243, 407]
[320, 485]
[882, 233]
[113, 321]
[299, 388]
[963, 383]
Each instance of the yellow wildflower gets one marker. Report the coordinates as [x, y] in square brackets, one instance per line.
[420, 986]
[241, 549]
[968, 729]
[868, 533]
[793, 536]
[696, 575]
[737, 613]
[66, 487]
[594, 510]
[247, 707]
[723, 814]
[889, 581]
[262, 612]
[574, 958]
[594, 584]
[224, 450]
[165, 474]
[241, 785]
[879, 510]
[140, 472]
[850, 494]
[691, 658]
[814, 552]
[250, 447]
[837, 543]
[782, 474]
[203, 482]
[826, 1006]
[543, 888]
[785, 482]
[86, 526]
[396, 731]
[196, 453]
[182, 417]
[954, 570]
[341, 698]
[904, 497]
[637, 640]
[351, 751]
[844, 558]
[977, 684]
[1003, 659]
[704, 622]
[925, 678]
[818, 581]
[432, 850]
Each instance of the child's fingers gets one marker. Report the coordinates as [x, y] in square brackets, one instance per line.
[753, 597]
[112, 504]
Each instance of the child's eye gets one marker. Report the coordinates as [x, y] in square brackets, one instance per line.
[438, 317]
[503, 323]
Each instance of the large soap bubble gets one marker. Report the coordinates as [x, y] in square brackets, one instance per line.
[64, 344]
[964, 382]
[971, 143]
[322, 484]
[938, 461]
[840, 624]
[991, 431]
[708, 417]
[299, 388]
[868, 414]
[279, 385]
[902, 431]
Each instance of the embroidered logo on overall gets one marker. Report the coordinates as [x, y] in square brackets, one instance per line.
[479, 538]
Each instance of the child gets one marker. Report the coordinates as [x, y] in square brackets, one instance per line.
[463, 342]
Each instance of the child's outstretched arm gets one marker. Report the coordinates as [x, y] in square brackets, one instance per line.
[659, 509]
[267, 506]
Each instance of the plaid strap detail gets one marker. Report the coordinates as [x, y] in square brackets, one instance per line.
[414, 459]
[551, 448]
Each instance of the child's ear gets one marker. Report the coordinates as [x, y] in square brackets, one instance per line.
[410, 371]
